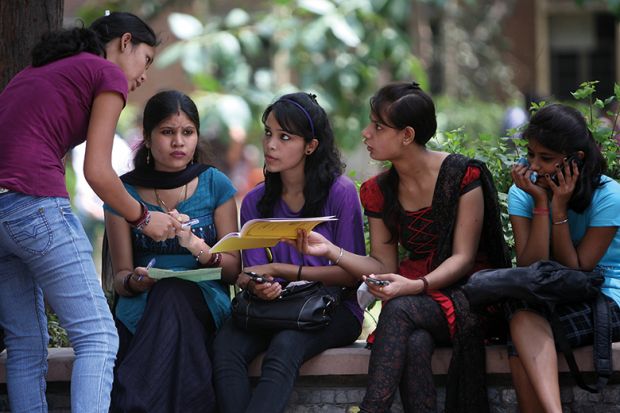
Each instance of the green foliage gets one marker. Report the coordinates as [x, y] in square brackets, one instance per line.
[601, 115]
[58, 335]
[495, 152]
[602, 118]
[339, 50]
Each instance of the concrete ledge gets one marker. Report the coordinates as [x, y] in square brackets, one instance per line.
[343, 361]
[353, 360]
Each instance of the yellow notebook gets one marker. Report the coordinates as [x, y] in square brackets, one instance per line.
[267, 232]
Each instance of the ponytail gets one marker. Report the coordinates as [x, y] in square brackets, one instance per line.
[58, 45]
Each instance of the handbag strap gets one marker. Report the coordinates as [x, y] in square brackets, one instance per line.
[602, 353]
[565, 348]
[601, 349]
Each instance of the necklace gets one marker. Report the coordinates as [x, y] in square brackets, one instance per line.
[181, 198]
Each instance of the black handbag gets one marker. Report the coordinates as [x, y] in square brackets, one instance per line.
[306, 306]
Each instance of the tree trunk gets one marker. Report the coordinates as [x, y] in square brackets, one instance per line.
[23, 23]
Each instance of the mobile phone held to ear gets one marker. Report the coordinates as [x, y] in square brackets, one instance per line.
[569, 160]
[577, 159]
[374, 281]
[257, 278]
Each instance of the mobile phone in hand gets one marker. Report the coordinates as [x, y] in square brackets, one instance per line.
[257, 278]
[374, 281]
[533, 175]
[578, 161]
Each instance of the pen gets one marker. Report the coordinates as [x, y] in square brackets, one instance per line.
[190, 223]
[148, 266]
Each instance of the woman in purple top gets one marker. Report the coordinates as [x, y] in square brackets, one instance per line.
[74, 90]
[303, 178]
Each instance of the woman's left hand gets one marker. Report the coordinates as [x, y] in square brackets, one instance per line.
[567, 176]
[397, 286]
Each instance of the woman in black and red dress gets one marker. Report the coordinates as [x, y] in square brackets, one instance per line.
[442, 208]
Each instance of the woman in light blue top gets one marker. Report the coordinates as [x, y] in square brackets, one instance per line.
[166, 327]
[569, 214]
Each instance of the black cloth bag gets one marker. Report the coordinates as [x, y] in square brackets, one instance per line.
[544, 282]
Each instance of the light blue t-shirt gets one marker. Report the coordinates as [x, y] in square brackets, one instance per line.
[604, 211]
[214, 188]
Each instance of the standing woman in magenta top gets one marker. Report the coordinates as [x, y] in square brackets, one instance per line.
[74, 90]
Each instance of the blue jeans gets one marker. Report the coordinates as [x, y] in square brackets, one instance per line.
[45, 253]
[286, 351]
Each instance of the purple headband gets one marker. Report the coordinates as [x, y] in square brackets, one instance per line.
[303, 110]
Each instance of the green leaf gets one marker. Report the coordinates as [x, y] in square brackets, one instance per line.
[236, 18]
[341, 29]
[185, 26]
[320, 7]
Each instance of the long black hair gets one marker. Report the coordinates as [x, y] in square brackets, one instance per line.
[563, 129]
[321, 167]
[158, 108]
[400, 105]
[64, 43]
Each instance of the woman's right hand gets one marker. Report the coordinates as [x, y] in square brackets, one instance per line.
[161, 227]
[140, 280]
[521, 177]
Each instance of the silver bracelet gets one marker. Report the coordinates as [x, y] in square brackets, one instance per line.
[339, 256]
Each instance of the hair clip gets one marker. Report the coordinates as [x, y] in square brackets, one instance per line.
[106, 13]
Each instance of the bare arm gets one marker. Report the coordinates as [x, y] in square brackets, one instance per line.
[531, 238]
[383, 256]
[328, 274]
[590, 250]
[121, 253]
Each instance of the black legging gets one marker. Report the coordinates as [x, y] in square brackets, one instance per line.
[409, 328]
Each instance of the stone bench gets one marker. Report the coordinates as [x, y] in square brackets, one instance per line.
[335, 379]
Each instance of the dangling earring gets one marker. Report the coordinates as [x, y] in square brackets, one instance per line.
[148, 156]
